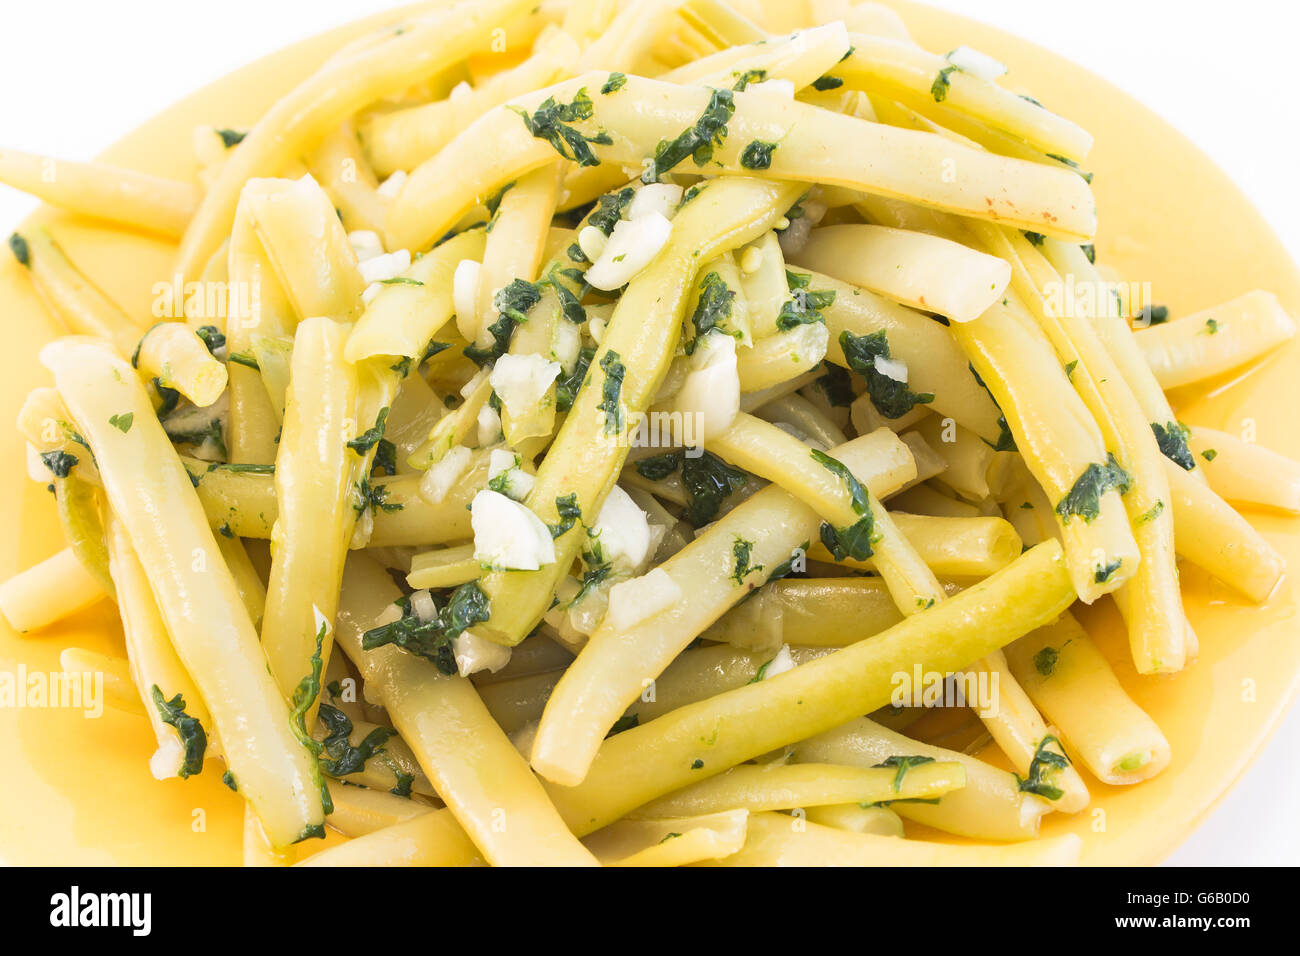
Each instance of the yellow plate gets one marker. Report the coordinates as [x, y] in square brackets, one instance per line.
[78, 790]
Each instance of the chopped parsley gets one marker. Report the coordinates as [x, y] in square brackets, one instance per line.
[304, 695]
[856, 540]
[341, 757]
[749, 76]
[433, 639]
[371, 436]
[374, 497]
[512, 303]
[805, 305]
[22, 252]
[837, 385]
[170, 398]
[1211, 326]
[1101, 574]
[741, 552]
[591, 580]
[892, 398]
[231, 137]
[212, 337]
[712, 310]
[612, 366]
[659, 467]
[1152, 513]
[615, 83]
[828, 82]
[122, 422]
[493, 203]
[1084, 499]
[697, 142]
[903, 764]
[758, 155]
[1043, 763]
[1035, 238]
[59, 462]
[1005, 442]
[1152, 315]
[197, 436]
[1045, 661]
[385, 461]
[609, 210]
[570, 514]
[403, 365]
[244, 359]
[551, 122]
[707, 480]
[567, 386]
[1172, 439]
[570, 305]
[193, 738]
[1209, 454]
[939, 88]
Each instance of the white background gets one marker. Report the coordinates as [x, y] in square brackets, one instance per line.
[77, 74]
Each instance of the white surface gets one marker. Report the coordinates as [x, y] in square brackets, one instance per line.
[70, 92]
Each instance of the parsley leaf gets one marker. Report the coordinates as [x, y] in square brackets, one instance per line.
[712, 310]
[569, 511]
[903, 764]
[566, 388]
[697, 142]
[551, 122]
[371, 436]
[939, 88]
[892, 398]
[708, 480]
[1172, 439]
[304, 695]
[194, 739]
[758, 155]
[212, 337]
[512, 303]
[433, 639]
[741, 551]
[343, 757]
[609, 209]
[612, 366]
[1044, 761]
[836, 385]
[1084, 499]
[805, 305]
[749, 76]
[59, 462]
[22, 252]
